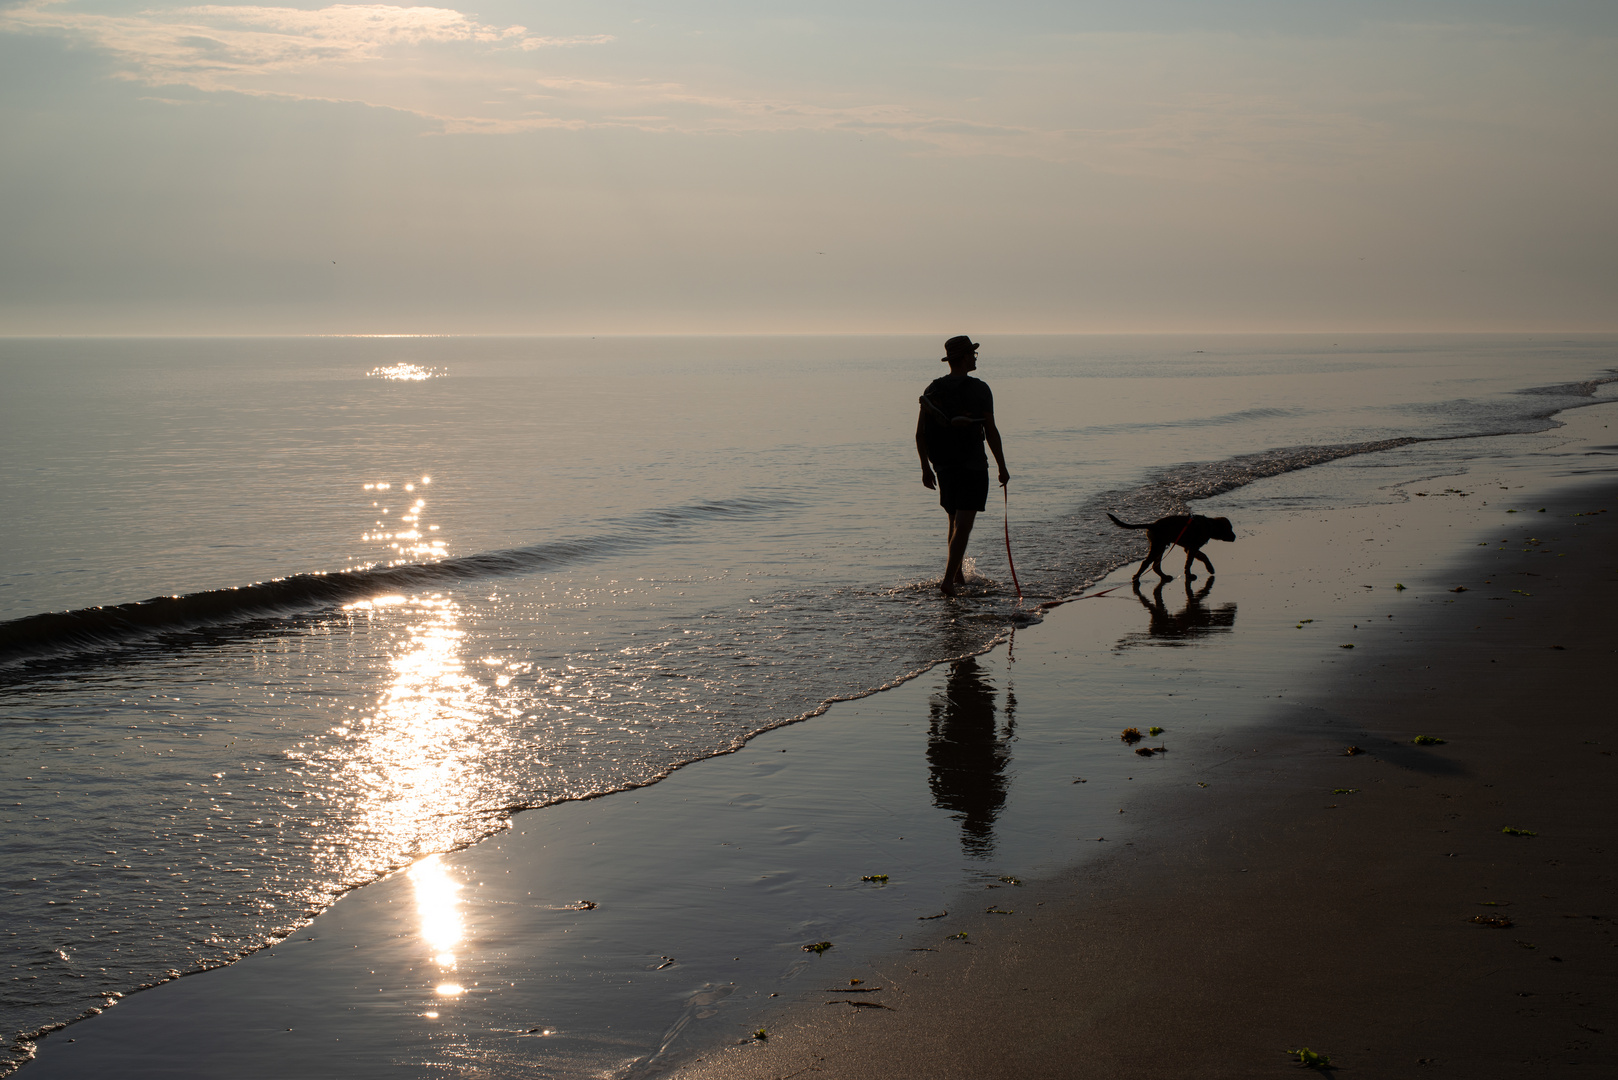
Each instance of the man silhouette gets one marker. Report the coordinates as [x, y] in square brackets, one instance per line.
[957, 416]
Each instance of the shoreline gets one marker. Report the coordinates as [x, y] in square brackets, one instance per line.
[837, 786]
[1406, 907]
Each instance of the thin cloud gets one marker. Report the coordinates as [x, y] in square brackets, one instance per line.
[214, 47]
[674, 108]
[1173, 106]
[374, 54]
[528, 44]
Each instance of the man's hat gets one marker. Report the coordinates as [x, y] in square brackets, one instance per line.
[959, 346]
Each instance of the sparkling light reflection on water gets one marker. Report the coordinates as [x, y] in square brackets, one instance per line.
[409, 544]
[438, 907]
[405, 372]
[407, 763]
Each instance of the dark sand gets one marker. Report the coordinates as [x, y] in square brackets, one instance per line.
[1269, 914]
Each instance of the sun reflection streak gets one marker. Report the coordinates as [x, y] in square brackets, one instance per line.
[437, 904]
[418, 758]
[414, 767]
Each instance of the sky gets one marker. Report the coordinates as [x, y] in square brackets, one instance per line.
[715, 166]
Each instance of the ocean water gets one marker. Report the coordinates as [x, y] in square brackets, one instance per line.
[282, 615]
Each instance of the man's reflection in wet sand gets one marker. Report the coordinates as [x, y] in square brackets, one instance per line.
[1193, 621]
[967, 753]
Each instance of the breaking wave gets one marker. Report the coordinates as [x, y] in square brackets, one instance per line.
[85, 628]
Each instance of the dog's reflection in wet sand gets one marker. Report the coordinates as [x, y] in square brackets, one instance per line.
[1178, 628]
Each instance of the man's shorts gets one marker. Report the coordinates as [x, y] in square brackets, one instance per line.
[963, 488]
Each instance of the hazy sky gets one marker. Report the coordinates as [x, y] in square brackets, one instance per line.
[766, 166]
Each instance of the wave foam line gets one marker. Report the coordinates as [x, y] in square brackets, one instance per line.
[84, 628]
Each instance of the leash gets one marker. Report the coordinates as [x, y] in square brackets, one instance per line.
[1183, 531]
[1004, 493]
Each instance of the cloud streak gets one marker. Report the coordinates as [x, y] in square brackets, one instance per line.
[215, 47]
[375, 54]
[1169, 106]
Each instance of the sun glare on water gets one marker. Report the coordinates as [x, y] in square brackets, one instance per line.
[402, 372]
[437, 905]
[400, 526]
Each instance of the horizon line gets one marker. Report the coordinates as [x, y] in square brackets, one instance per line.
[240, 335]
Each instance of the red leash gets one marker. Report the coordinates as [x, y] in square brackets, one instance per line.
[1007, 497]
[1177, 539]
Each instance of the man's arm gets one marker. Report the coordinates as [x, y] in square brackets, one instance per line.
[992, 433]
[927, 480]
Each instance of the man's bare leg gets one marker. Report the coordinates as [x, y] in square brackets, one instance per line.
[960, 531]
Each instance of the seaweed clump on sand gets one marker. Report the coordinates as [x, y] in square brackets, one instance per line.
[1309, 1059]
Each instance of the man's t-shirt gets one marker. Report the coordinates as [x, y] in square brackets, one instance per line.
[949, 446]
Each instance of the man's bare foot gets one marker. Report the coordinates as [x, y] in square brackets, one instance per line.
[947, 588]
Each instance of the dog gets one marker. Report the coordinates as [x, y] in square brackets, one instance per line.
[1190, 531]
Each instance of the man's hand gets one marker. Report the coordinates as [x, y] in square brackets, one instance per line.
[1005, 477]
[927, 480]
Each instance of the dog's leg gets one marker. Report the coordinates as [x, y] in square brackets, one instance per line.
[1142, 569]
[1156, 559]
[1205, 562]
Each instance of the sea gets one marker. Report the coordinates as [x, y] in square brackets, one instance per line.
[281, 616]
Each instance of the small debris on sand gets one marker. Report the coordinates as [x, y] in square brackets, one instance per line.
[1309, 1059]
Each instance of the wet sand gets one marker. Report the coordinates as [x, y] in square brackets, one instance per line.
[1205, 909]
[1372, 908]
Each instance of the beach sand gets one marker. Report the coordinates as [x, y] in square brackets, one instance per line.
[1208, 908]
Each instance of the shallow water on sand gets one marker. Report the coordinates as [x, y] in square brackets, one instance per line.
[572, 565]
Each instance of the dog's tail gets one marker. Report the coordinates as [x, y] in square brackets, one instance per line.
[1125, 524]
